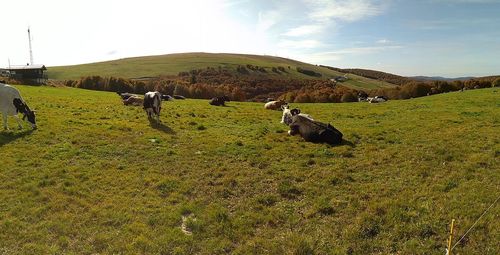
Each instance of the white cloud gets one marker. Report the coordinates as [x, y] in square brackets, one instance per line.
[466, 1]
[345, 10]
[383, 41]
[304, 30]
[300, 44]
[363, 50]
[267, 19]
[324, 15]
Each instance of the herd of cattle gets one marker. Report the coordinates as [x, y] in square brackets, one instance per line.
[11, 103]
[299, 123]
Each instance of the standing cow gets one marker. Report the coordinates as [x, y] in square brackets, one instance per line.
[11, 103]
[152, 105]
[314, 131]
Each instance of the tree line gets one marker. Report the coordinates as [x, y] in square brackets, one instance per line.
[210, 82]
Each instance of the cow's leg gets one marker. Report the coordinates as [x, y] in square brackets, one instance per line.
[4, 117]
[19, 122]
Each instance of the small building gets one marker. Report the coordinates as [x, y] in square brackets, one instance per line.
[4, 72]
[31, 74]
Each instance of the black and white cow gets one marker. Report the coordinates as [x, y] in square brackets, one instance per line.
[125, 95]
[152, 105]
[166, 97]
[314, 131]
[218, 101]
[377, 99]
[286, 118]
[179, 97]
[11, 103]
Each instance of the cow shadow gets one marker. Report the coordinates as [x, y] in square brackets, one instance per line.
[9, 136]
[348, 143]
[162, 127]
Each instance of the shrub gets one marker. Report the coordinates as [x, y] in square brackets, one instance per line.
[349, 97]
[308, 72]
[496, 83]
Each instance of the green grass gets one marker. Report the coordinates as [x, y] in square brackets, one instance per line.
[172, 64]
[97, 178]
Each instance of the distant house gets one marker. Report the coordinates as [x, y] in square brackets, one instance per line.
[4, 72]
[33, 74]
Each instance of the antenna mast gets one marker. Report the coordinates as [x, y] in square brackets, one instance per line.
[31, 51]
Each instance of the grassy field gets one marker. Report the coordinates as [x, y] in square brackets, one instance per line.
[97, 178]
[172, 64]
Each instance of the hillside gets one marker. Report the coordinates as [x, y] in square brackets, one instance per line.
[97, 178]
[173, 64]
[375, 75]
[439, 78]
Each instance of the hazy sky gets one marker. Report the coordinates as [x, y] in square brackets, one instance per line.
[407, 37]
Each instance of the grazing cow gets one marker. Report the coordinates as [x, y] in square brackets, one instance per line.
[152, 105]
[218, 101]
[166, 97]
[288, 114]
[11, 103]
[133, 100]
[313, 131]
[179, 97]
[274, 105]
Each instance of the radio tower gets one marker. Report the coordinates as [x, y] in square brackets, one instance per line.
[31, 52]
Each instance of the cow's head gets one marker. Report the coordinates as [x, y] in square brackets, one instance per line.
[30, 115]
[286, 118]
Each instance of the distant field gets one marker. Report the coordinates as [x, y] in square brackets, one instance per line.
[172, 64]
[97, 178]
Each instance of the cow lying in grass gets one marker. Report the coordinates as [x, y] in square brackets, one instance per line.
[274, 105]
[219, 101]
[166, 97]
[286, 118]
[133, 100]
[314, 131]
[152, 105]
[11, 103]
[125, 95]
[377, 99]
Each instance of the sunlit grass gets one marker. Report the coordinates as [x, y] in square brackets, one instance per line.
[96, 177]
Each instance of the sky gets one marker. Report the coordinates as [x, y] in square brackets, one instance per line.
[450, 38]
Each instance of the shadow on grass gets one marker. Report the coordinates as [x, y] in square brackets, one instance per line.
[162, 127]
[348, 143]
[10, 136]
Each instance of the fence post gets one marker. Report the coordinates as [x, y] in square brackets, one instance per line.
[451, 237]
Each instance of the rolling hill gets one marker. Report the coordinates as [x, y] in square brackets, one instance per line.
[97, 178]
[173, 64]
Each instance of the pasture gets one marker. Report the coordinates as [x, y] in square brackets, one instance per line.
[96, 177]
